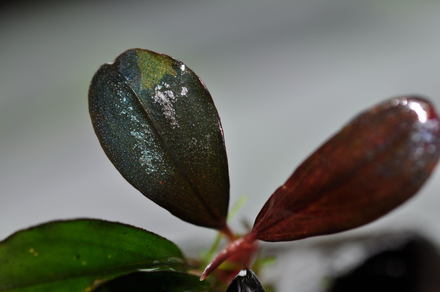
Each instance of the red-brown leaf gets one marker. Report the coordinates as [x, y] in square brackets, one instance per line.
[376, 162]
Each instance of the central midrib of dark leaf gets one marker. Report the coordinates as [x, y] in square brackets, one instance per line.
[154, 128]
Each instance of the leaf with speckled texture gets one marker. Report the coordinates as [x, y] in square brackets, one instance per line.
[76, 255]
[155, 281]
[375, 163]
[158, 125]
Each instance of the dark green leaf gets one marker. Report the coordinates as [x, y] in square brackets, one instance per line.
[158, 125]
[155, 281]
[77, 254]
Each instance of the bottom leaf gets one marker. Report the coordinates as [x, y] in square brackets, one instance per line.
[77, 255]
[155, 281]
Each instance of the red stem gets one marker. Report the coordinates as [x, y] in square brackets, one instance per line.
[244, 245]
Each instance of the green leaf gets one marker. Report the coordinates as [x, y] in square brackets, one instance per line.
[75, 255]
[155, 281]
[158, 125]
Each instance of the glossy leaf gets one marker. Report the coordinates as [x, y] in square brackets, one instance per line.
[155, 281]
[158, 125]
[376, 162]
[75, 255]
[245, 281]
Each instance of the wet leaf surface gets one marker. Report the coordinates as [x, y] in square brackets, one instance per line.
[75, 255]
[376, 162]
[245, 281]
[158, 125]
[155, 281]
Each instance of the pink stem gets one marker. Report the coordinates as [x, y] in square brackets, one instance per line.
[243, 245]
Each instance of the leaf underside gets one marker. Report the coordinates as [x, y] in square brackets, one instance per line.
[75, 255]
[158, 125]
[376, 162]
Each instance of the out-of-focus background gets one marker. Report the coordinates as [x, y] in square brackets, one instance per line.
[284, 75]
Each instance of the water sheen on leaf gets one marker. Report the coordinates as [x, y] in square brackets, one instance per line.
[158, 125]
[155, 281]
[76, 255]
[376, 162]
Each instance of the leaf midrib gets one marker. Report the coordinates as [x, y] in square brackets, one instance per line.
[164, 145]
[349, 176]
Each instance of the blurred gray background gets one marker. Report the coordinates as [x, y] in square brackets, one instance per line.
[284, 75]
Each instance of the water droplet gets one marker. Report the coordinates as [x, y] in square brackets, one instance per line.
[184, 91]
